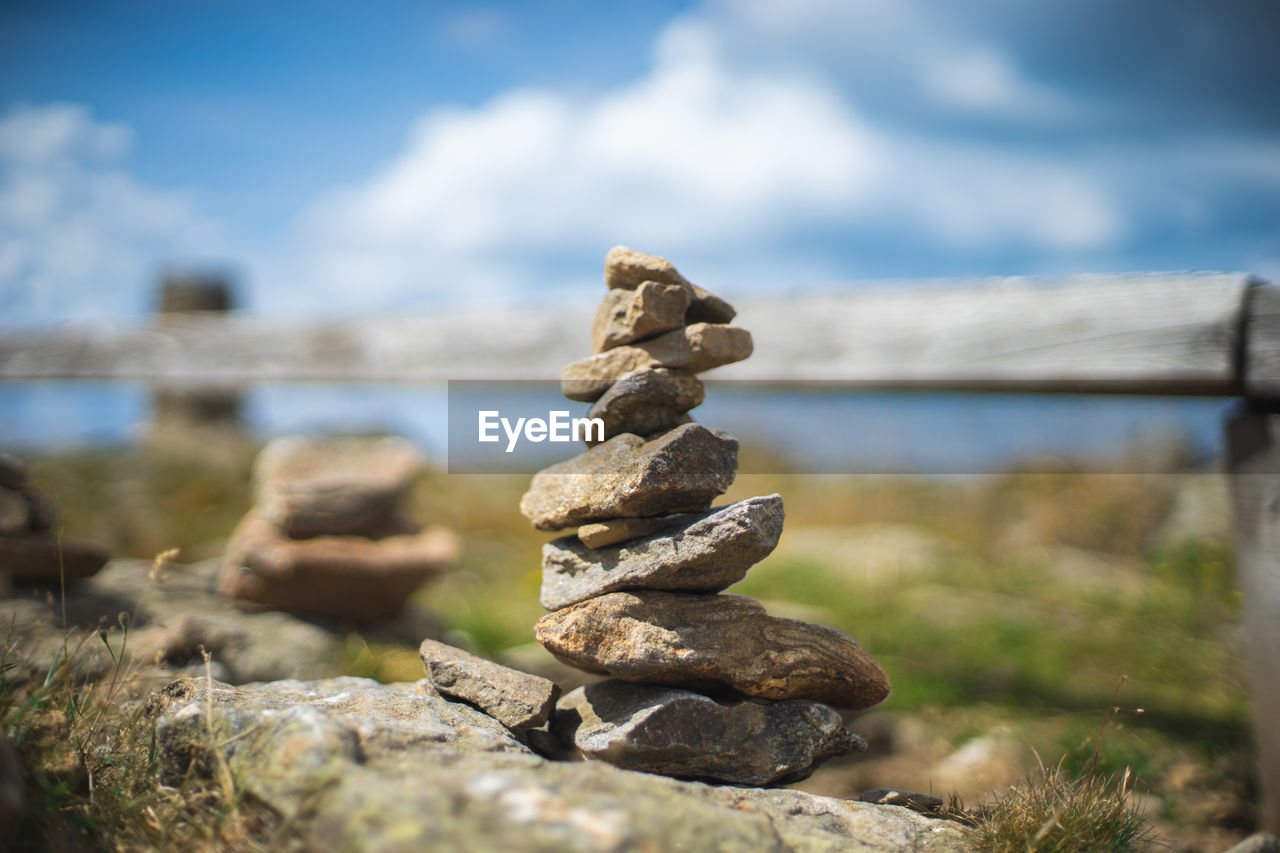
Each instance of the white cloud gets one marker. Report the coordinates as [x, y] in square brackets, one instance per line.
[700, 152]
[79, 236]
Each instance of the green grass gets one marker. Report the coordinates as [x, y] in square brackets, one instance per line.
[992, 632]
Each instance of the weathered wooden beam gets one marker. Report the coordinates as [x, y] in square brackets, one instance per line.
[1261, 351]
[1134, 334]
[1253, 477]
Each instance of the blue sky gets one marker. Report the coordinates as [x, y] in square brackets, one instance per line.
[370, 158]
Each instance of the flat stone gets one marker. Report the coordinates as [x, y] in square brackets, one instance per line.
[679, 733]
[706, 552]
[48, 560]
[335, 575]
[335, 486]
[648, 400]
[627, 269]
[627, 477]
[707, 640]
[694, 348]
[601, 534]
[633, 315]
[515, 699]
[15, 514]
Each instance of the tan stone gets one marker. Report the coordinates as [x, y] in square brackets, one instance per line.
[334, 575]
[335, 486]
[647, 401]
[627, 269]
[708, 640]
[626, 477]
[633, 315]
[694, 348]
[605, 533]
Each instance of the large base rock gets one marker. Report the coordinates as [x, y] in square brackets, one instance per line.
[680, 733]
[713, 640]
[361, 766]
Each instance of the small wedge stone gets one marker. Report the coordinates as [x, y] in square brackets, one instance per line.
[694, 348]
[692, 553]
[700, 640]
[682, 470]
[627, 269]
[648, 401]
[633, 315]
[679, 733]
[604, 533]
[515, 699]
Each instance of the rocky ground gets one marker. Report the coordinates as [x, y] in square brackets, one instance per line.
[350, 763]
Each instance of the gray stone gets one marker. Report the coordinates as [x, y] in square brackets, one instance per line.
[602, 534]
[1257, 843]
[335, 486]
[15, 515]
[351, 576]
[627, 269]
[694, 348]
[684, 734]
[627, 476]
[692, 553]
[914, 800]
[515, 699]
[633, 315]
[707, 640]
[363, 766]
[646, 401]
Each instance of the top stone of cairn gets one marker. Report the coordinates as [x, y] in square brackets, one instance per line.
[627, 269]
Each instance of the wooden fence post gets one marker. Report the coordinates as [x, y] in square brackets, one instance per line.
[177, 412]
[1253, 469]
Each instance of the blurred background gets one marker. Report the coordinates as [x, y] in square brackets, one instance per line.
[336, 162]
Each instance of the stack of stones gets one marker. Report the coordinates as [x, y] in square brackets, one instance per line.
[702, 685]
[30, 549]
[328, 533]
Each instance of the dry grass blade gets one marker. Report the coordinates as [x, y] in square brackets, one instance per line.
[1059, 813]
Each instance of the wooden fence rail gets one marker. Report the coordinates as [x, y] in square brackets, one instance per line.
[1168, 334]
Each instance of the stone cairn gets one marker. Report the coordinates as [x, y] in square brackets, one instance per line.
[328, 534]
[30, 549]
[703, 685]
